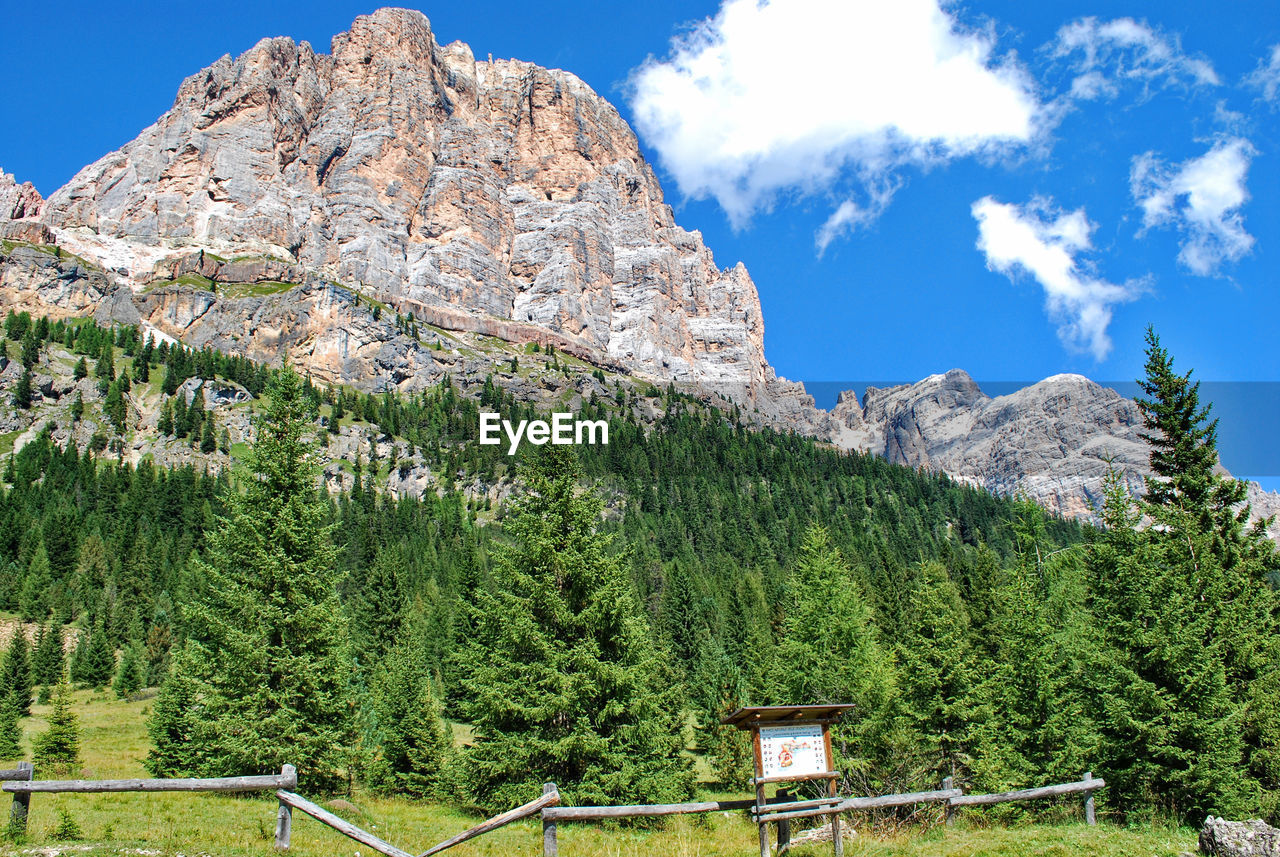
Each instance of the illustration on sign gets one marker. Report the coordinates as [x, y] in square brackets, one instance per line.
[792, 751]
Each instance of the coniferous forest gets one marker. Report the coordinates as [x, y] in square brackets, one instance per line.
[592, 626]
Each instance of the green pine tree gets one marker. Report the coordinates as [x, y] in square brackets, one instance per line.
[10, 730]
[30, 350]
[165, 423]
[266, 663]
[48, 663]
[336, 415]
[208, 436]
[832, 655]
[94, 662]
[58, 747]
[114, 407]
[938, 673]
[565, 682]
[15, 671]
[24, 390]
[34, 599]
[131, 674]
[105, 369]
[1187, 719]
[179, 733]
[413, 741]
[81, 370]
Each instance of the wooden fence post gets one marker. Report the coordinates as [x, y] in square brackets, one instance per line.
[550, 847]
[837, 836]
[784, 826]
[951, 810]
[284, 815]
[21, 801]
[1089, 815]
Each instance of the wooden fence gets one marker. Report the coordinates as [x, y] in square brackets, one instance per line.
[22, 785]
[780, 810]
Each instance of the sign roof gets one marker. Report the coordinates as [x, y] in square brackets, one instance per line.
[747, 717]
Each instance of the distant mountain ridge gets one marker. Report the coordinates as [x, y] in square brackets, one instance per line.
[286, 192]
[1053, 441]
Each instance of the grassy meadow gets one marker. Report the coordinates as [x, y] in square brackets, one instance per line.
[114, 740]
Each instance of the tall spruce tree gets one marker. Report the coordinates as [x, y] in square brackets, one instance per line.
[832, 655]
[10, 730]
[15, 671]
[565, 682]
[94, 661]
[131, 674]
[58, 747]
[1189, 721]
[265, 665]
[939, 675]
[33, 601]
[413, 742]
[48, 662]
[24, 390]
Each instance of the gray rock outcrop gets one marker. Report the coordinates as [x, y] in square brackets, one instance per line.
[1053, 441]
[1222, 838]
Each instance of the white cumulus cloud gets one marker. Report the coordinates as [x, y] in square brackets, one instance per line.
[775, 97]
[1266, 77]
[1105, 54]
[1047, 243]
[1202, 198]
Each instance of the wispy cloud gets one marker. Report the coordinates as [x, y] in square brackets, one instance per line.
[808, 96]
[851, 213]
[1105, 55]
[1266, 77]
[1048, 244]
[1202, 198]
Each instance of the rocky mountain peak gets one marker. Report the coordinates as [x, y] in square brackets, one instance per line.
[494, 195]
[18, 201]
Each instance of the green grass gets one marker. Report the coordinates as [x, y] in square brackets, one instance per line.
[114, 741]
[8, 245]
[254, 290]
[7, 440]
[193, 279]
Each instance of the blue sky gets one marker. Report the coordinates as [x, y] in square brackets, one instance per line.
[1025, 186]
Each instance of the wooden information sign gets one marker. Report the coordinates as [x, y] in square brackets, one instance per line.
[792, 743]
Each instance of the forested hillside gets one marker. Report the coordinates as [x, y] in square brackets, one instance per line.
[978, 637]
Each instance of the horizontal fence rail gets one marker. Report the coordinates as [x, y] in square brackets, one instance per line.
[782, 809]
[597, 813]
[218, 784]
[1028, 794]
[856, 803]
[22, 785]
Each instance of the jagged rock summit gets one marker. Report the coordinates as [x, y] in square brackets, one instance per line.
[18, 201]
[496, 196]
[1053, 441]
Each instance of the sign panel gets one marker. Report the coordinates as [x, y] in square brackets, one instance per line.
[792, 751]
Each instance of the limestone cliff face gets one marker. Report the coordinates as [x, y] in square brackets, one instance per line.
[468, 192]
